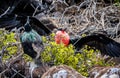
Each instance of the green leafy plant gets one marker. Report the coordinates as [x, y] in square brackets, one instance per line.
[82, 62]
[6, 40]
[57, 53]
[117, 3]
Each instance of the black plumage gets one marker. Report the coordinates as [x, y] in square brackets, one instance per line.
[19, 7]
[13, 14]
[13, 21]
[10, 23]
[101, 42]
[31, 41]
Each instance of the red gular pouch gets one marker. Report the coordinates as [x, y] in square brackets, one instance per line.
[62, 37]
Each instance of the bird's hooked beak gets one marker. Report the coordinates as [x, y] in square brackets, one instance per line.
[27, 25]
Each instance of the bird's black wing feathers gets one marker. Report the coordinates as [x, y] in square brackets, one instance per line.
[9, 23]
[101, 42]
[32, 49]
[39, 27]
[28, 49]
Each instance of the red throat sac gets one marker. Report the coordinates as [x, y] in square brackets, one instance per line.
[62, 37]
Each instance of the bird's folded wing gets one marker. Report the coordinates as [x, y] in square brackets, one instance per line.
[101, 42]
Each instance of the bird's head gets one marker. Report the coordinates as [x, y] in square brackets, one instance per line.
[62, 37]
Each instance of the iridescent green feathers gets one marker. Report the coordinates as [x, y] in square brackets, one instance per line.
[31, 36]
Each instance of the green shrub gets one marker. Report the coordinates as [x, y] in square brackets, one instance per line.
[117, 3]
[57, 53]
[7, 38]
[82, 62]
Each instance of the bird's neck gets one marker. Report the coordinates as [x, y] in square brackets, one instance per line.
[27, 28]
